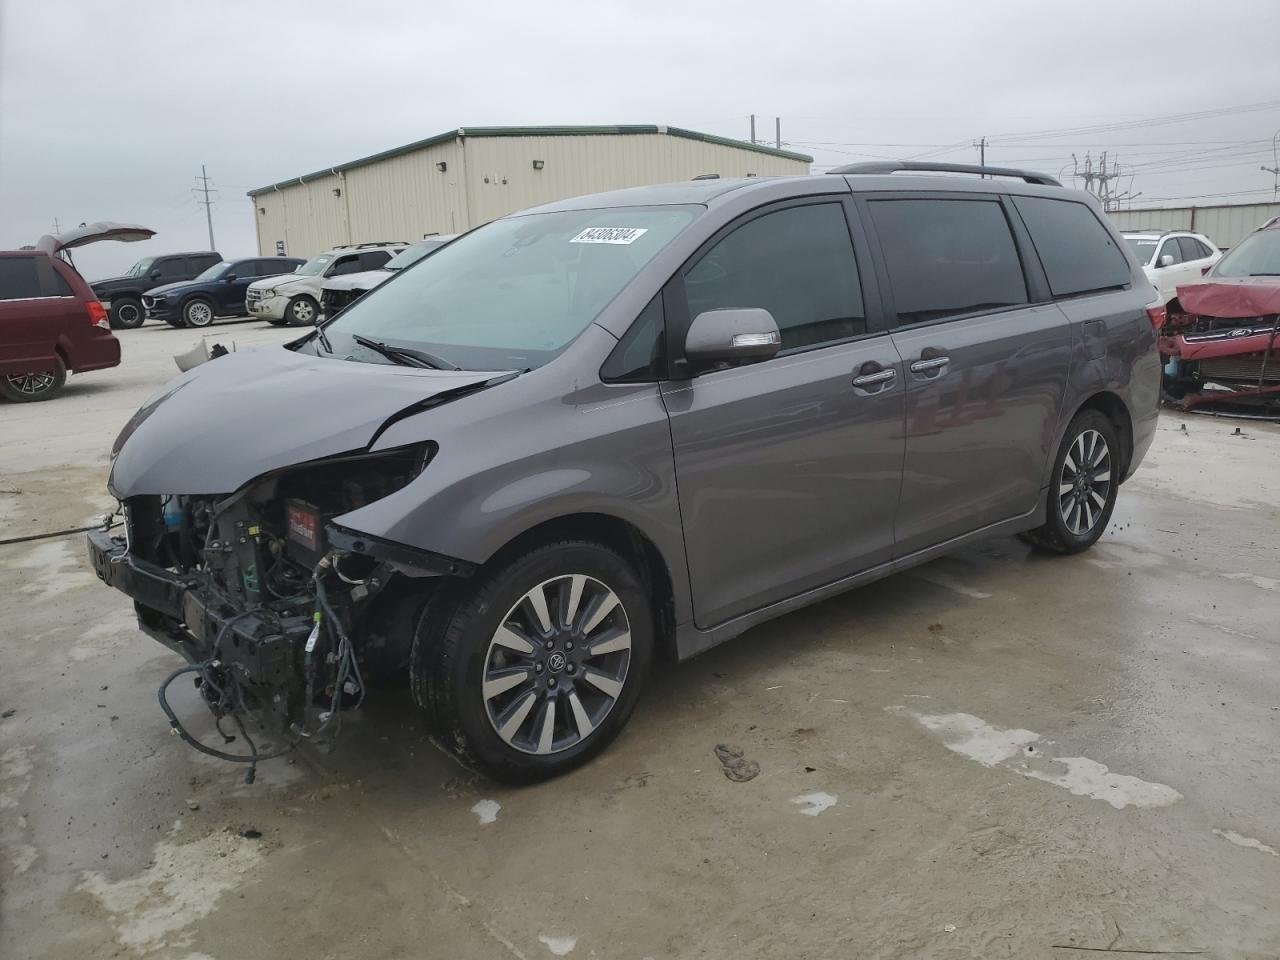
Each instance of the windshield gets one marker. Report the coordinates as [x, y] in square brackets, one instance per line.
[1257, 255]
[214, 272]
[411, 255]
[1143, 248]
[514, 293]
[141, 267]
[315, 266]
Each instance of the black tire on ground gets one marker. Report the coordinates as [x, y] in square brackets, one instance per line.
[302, 311]
[127, 313]
[1079, 501]
[455, 647]
[198, 312]
[283, 321]
[176, 322]
[30, 387]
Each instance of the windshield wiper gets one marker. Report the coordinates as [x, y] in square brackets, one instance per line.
[415, 358]
[1264, 274]
[324, 341]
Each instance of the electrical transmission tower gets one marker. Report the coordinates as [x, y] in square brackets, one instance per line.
[1099, 180]
[208, 204]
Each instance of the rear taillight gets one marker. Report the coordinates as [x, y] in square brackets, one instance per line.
[98, 315]
[1157, 313]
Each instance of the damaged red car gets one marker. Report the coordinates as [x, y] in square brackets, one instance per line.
[1219, 341]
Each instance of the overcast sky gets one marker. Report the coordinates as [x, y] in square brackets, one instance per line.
[107, 109]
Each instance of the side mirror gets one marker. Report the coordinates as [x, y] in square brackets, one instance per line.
[1166, 260]
[154, 275]
[735, 336]
[228, 277]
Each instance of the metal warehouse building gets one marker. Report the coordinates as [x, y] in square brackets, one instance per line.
[1224, 224]
[465, 177]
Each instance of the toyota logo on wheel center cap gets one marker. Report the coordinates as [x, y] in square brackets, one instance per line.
[556, 662]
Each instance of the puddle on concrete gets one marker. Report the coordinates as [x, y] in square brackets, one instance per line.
[813, 804]
[1016, 750]
[486, 810]
[1240, 840]
[182, 885]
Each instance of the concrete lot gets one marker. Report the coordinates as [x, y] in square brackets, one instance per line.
[999, 755]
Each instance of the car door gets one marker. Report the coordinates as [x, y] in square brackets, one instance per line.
[787, 469]
[1196, 257]
[233, 291]
[984, 364]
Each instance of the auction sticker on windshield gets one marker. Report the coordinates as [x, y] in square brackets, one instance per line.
[610, 235]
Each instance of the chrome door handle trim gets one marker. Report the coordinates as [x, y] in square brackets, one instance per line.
[923, 366]
[871, 379]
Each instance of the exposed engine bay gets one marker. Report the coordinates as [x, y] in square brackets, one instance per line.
[1219, 348]
[281, 614]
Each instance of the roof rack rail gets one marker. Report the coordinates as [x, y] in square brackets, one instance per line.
[896, 166]
[706, 176]
[371, 243]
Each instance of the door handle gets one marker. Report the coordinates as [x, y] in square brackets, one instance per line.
[933, 363]
[871, 379]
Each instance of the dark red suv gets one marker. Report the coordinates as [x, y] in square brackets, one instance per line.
[50, 322]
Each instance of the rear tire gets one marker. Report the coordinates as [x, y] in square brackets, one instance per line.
[32, 387]
[127, 313]
[302, 311]
[198, 312]
[1082, 488]
[525, 699]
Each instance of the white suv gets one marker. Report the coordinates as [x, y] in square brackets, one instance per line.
[294, 298]
[1170, 259]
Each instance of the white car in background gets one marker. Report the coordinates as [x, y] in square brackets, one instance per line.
[339, 291]
[1172, 258]
[294, 298]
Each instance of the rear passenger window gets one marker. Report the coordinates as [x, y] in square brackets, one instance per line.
[948, 257]
[1192, 249]
[18, 280]
[796, 263]
[373, 259]
[1076, 250]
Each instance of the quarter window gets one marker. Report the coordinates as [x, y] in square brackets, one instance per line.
[1077, 251]
[18, 279]
[640, 355]
[797, 263]
[948, 257]
[1192, 249]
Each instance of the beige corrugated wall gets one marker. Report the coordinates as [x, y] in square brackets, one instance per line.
[1226, 225]
[408, 196]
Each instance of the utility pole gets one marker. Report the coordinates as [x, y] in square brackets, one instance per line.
[1274, 169]
[777, 132]
[208, 204]
[1098, 181]
[982, 151]
[57, 227]
[753, 128]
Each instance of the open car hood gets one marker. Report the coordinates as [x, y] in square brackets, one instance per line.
[225, 422]
[92, 233]
[1232, 297]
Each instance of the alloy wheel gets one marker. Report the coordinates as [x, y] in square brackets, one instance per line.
[303, 312]
[199, 314]
[1085, 482]
[557, 664]
[32, 384]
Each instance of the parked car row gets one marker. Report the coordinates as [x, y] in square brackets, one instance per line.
[294, 299]
[217, 292]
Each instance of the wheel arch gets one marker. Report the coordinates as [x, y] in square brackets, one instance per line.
[1111, 406]
[619, 535]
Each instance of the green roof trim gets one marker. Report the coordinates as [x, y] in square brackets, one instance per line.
[581, 131]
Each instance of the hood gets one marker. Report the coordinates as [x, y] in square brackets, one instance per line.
[92, 233]
[358, 281]
[114, 283]
[216, 427]
[171, 287]
[280, 279]
[1232, 297]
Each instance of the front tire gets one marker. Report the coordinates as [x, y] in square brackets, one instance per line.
[127, 313]
[197, 312]
[1082, 488]
[32, 387]
[302, 311]
[535, 666]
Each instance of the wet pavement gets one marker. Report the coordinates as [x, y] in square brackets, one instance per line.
[997, 755]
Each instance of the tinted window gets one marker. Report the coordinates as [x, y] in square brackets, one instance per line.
[796, 263]
[1169, 249]
[948, 257]
[1076, 249]
[18, 279]
[172, 268]
[349, 264]
[641, 353]
[199, 264]
[1192, 249]
[373, 259]
[52, 283]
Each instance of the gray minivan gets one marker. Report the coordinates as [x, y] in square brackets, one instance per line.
[630, 424]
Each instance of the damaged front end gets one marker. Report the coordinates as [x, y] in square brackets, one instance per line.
[281, 613]
[1219, 347]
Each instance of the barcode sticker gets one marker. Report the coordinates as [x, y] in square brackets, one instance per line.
[610, 235]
